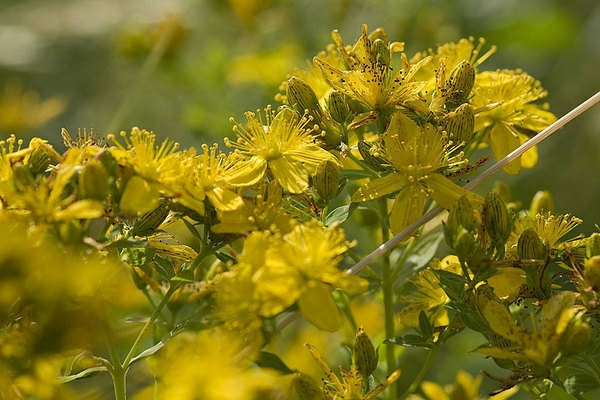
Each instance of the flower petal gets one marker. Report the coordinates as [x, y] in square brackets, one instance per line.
[84, 209]
[445, 192]
[291, 174]
[408, 207]
[318, 307]
[224, 199]
[246, 173]
[380, 187]
[503, 140]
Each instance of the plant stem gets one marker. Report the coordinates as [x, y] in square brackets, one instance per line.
[421, 375]
[387, 287]
[118, 376]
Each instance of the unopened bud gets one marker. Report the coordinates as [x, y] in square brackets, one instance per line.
[593, 245]
[147, 223]
[541, 203]
[338, 108]
[464, 244]
[301, 96]
[108, 161]
[364, 354]
[380, 51]
[497, 221]
[503, 190]
[530, 246]
[93, 181]
[592, 272]
[461, 214]
[576, 339]
[461, 123]
[38, 162]
[327, 179]
[364, 148]
[379, 34]
[306, 387]
[460, 83]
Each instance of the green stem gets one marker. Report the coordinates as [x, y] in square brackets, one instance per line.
[387, 287]
[421, 375]
[118, 376]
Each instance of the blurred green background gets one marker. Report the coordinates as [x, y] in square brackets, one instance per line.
[182, 67]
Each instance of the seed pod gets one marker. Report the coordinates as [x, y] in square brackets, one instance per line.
[147, 223]
[592, 272]
[460, 83]
[541, 203]
[497, 221]
[461, 214]
[38, 162]
[327, 179]
[461, 123]
[93, 181]
[306, 387]
[530, 246]
[364, 354]
[380, 51]
[593, 245]
[301, 96]
[364, 148]
[576, 339]
[338, 108]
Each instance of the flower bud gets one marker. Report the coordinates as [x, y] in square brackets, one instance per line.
[461, 214]
[93, 181]
[541, 203]
[592, 272]
[593, 245]
[379, 34]
[364, 148]
[301, 97]
[147, 223]
[108, 161]
[327, 179]
[380, 51]
[464, 244]
[460, 83]
[576, 339]
[364, 354]
[306, 387]
[38, 162]
[503, 190]
[338, 108]
[461, 124]
[530, 246]
[497, 221]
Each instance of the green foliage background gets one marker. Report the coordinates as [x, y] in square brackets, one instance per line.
[230, 61]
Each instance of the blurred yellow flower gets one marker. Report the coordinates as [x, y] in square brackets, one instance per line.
[466, 387]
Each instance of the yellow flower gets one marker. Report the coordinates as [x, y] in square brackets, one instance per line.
[370, 80]
[506, 114]
[263, 211]
[427, 294]
[550, 228]
[540, 346]
[284, 143]
[205, 178]
[350, 386]
[507, 283]
[417, 154]
[466, 387]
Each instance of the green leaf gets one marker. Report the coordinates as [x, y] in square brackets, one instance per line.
[452, 284]
[224, 257]
[424, 251]
[191, 228]
[83, 374]
[469, 317]
[356, 174]
[580, 383]
[149, 351]
[164, 267]
[410, 341]
[185, 276]
[340, 214]
[128, 242]
[425, 325]
[270, 360]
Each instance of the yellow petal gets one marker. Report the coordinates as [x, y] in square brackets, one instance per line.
[530, 157]
[139, 196]
[499, 319]
[433, 391]
[502, 353]
[507, 283]
[380, 187]
[503, 140]
[537, 119]
[224, 199]
[84, 209]
[445, 192]
[408, 207]
[292, 175]
[318, 307]
[246, 173]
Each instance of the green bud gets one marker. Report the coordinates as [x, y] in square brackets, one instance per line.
[503, 190]
[327, 179]
[460, 83]
[461, 214]
[461, 124]
[497, 220]
[301, 96]
[364, 354]
[530, 246]
[337, 106]
[592, 272]
[93, 181]
[541, 203]
[379, 34]
[364, 148]
[148, 222]
[380, 51]
[576, 339]
[38, 162]
[306, 387]
[464, 244]
[108, 161]
[593, 245]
